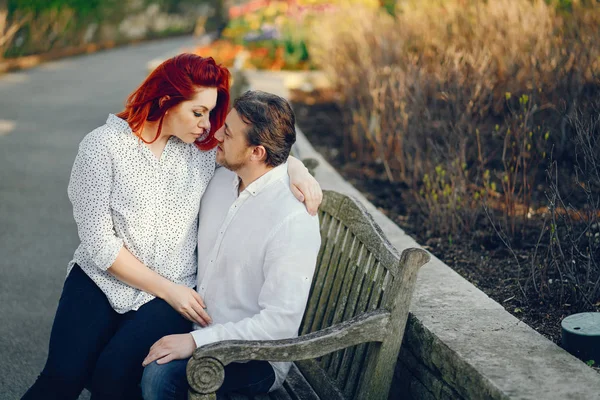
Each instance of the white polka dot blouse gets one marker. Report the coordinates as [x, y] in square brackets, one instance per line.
[123, 195]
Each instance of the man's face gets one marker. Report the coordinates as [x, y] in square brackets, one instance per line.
[233, 151]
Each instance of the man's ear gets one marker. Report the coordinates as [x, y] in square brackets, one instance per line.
[163, 100]
[259, 153]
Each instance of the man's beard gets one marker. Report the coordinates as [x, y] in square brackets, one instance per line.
[232, 166]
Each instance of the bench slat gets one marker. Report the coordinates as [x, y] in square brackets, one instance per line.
[350, 383]
[332, 273]
[298, 387]
[328, 241]
[338, 309]
[280, 394]
[347, 355]
[335, 295]
[318, 379]
[369, 295]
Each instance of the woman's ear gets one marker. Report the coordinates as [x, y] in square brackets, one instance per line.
[163, 100]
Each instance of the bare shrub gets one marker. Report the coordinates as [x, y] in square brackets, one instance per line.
[460, 99]
[565, 264]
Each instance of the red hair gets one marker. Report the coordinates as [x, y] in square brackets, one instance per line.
[179, 78]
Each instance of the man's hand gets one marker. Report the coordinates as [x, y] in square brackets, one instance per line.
[169, 348]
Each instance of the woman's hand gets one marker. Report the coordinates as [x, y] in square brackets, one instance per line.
[304, 186]
[184, 300]
[187, 302]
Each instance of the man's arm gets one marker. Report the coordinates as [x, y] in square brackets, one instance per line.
[289, 267]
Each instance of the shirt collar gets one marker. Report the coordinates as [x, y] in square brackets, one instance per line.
[258, 185]
[118, 123]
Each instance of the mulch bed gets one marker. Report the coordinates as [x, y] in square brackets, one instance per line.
[483, 259]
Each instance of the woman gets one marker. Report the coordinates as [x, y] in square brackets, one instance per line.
[136, 187]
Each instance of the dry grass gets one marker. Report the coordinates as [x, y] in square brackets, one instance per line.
[472, 88]
[470, 104]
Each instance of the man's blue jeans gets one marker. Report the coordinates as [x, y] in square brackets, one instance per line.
[168, 381]
[93, 346]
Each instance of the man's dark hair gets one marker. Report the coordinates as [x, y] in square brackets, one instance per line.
[272, 124]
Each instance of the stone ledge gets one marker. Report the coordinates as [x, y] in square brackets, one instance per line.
[464, 344]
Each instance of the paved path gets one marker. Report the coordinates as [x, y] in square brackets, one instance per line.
[44, 113]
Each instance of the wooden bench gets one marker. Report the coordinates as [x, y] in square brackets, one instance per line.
[354, 320]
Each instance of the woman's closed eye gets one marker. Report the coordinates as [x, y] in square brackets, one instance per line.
[198, 114]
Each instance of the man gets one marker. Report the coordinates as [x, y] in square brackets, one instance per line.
[257, 249]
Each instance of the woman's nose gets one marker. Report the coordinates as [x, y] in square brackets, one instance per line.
[204, 123]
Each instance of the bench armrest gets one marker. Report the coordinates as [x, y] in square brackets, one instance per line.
[205, 369]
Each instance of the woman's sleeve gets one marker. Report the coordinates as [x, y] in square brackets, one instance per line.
[89, 190]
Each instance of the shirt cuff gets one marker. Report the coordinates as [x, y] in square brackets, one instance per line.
[204, 336]
[107, 256]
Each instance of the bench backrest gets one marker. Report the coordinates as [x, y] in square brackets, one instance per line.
[357, 271]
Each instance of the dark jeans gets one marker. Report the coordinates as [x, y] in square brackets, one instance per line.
[93, 346]
[169, 382]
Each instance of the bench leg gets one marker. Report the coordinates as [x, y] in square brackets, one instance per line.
[197, 396]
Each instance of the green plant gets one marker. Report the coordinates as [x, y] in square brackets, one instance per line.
[9, 26]
[525, 146]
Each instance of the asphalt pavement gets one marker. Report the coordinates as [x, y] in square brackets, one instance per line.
[44, 114]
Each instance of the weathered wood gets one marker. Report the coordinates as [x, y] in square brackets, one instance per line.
[197, 396]
[332, 271]
[297, 385]
[355, 356]
[342, 288]
[322, 383]
[346, 356]
[378, 377]
[354, 320]
[328, 238]
[338, 278]
[205, 375]
[280, 394]
[366, 327]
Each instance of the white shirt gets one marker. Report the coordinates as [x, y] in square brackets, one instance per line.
[256, 258]
[123, 195]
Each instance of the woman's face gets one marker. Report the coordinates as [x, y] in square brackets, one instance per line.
[189, 120]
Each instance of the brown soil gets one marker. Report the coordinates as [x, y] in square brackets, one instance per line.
[483, 259]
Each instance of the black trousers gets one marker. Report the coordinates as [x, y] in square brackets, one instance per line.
[93, 346]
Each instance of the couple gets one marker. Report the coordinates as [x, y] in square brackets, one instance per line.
[257, 249]
[128, 300]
